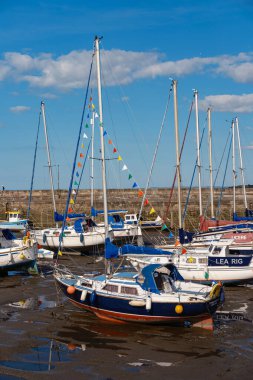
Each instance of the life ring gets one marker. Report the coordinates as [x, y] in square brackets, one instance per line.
[215, 291]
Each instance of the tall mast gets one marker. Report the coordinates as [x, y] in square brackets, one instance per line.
[241, 164]
[210, 159]
[48, 155]
[92, 161]
[101, 127]
[174, 83]
[233, 162]
[198, 151]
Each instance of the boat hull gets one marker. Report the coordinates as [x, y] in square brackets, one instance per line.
[17, 258]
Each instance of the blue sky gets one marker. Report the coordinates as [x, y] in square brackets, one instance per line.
[45, 55]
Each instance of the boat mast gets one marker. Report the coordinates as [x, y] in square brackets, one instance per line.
[48, 154]
[210, 159]
[92, 161]
[101, 127]
[241, 164]
[198, 150]
[174, 84]
[233, 161]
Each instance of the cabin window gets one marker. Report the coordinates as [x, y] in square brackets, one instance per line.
[128, 290]
[67, 232]
[127, 217]
[132, 216]
[203, 260]
[111, 288]
[84, 283]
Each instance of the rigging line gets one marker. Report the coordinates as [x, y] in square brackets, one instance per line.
[180, 155]
[33, 169]
[75, 157]
[155, 154]
[222, 187]
[81, 175]
[218, 170]
[193, 175]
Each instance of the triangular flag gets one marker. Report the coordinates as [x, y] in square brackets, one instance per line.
[77, 174]
[105, 133]
[110, 142]
[152, 211]
[70, 209]
[67, 219]
[79, 164]
[146, 202]
[72, 201]
[164, 227]
[92, 106]
[114, 150]
[75, 183]
[171, 235]
[140, 193]
[86, 125]
[130, 176]
[184, 250]
[91, 99]
[134, 185]
[177, 243]
[88, 116]
[96, 115]
[81, 155]
[59, 253]
[124, 168]
[119, 158]
[82, 145]
[73, 192]
[85, 136]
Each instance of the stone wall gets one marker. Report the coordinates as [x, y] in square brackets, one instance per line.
[42, 210]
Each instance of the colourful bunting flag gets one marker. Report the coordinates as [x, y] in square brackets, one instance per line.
[67, 219]
[130, 176]
[146, 202]
[75, 183]
[85, 136]
[77, 174]
[96, 115]
[152, 211]
[90, 99]
[110, 142]
[124, 168]
[134, 185]
[92, 106]
[88, 115]
[82, 146]
[79, 164]
[105, 133]
[184, 250]
[171, 235]
[73, 192]
[177, 243]
[70, 209]
[72, 201]
[59, 253]
[86, 125]
[81, 155]
[114, 150]
[140, 193]
[119, 158]
[164, 227]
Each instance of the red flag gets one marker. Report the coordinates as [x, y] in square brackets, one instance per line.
[114, 150]
[146, 202]
[79, 164]
[81, 155]
[110, 142]
[184, 250]
[140, 193]
[177, 243]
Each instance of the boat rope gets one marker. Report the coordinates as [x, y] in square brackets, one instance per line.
[155, 154]
[33, 169]
[75, 158]
[180, 155]
[224, 177]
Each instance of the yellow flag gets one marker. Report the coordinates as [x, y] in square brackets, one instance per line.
[152, 211]
[119, 158]
[71, 202]
[92, 106]
[59, 253]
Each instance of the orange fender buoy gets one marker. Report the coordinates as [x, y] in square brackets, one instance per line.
[71, 289]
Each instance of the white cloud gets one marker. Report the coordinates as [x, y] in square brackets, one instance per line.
[228, 103]
[248, 147]
[17, 109]
[70, 71]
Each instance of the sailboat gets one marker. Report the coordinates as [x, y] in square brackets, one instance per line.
[78, 236]
[156, 294]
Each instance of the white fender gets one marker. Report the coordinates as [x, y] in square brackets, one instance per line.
[148, 303]
[83, 295]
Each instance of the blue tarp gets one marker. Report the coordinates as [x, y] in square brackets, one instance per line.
[60, 217]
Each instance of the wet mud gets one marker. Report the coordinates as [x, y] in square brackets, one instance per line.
[43, 336]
